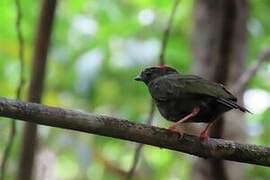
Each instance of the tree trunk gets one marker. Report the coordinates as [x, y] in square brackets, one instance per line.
[219, 49]
[29, 139]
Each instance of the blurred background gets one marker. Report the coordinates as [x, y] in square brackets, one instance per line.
[97, 47]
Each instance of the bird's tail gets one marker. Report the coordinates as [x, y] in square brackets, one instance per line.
[232, 104]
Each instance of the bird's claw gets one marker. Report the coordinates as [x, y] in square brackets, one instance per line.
[204, 137]
[173, 129]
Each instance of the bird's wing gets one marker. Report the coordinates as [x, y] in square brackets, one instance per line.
[176, 86]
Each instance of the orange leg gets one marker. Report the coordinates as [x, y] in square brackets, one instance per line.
[204, 135]
[194, 112]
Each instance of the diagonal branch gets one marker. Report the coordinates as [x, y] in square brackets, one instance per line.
[244, 79]
[123, 129]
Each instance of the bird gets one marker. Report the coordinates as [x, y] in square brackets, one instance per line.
[187, 98]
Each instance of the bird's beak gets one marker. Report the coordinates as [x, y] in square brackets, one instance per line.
[138, 78]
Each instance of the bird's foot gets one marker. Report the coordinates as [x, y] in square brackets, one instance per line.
[173, 128]
[204, 136]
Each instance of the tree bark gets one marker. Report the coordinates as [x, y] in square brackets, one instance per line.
[141, 133]
[29, 140]
[219, 49]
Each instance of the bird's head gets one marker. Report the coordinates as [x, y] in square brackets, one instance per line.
[151, 73]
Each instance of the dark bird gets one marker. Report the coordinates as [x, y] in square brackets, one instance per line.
[187, 98]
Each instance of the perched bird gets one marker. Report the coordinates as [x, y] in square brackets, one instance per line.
[187, 98]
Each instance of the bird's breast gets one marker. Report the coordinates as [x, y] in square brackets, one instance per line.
[172, 110]
[176, 109]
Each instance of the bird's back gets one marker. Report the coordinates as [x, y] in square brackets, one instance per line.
[176, 85]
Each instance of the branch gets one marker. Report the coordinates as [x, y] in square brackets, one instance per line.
[140, 145]
[165, 38]
[126, 130]
[38, 71]
[109, 166]
[12, 132]
[244, 79]
[166, 33]
[21, 49]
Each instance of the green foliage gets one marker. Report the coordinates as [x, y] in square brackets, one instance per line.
[108, 37]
